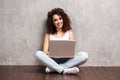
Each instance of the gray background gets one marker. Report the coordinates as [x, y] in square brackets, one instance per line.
[95, 23]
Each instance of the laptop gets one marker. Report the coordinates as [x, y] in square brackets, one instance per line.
[62, 48]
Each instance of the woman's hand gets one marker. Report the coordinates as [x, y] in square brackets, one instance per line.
[47, 53]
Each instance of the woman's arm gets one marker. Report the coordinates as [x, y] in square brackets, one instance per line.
[71, 35]
[46, 43]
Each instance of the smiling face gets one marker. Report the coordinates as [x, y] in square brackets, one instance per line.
[58, 21]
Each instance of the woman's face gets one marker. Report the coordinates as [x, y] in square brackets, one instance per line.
[57, 21]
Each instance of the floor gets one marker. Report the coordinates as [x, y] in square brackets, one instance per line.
[37, 73]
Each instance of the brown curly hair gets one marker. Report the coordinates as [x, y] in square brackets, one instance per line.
[51, 29]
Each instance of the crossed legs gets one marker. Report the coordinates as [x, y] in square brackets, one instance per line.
[51, 64]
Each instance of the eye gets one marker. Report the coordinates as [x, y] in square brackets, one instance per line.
[55, 19]
[60, 18]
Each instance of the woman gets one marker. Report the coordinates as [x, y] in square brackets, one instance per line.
[59, 28]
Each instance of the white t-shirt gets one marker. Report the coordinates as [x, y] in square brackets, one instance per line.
[65, 37]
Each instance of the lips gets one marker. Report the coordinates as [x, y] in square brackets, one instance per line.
[59, 25]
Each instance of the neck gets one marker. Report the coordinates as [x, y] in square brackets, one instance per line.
[59, 30]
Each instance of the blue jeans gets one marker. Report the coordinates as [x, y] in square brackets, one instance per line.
[51, 63]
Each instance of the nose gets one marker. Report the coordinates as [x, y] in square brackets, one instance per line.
[59, 21]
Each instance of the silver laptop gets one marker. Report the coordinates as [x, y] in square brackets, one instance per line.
[61, 48]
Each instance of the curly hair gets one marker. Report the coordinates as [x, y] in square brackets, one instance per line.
[51, 29]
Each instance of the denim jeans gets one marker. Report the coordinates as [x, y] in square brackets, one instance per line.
[60, 64]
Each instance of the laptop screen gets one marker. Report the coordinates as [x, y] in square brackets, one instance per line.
[61, 48]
